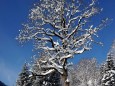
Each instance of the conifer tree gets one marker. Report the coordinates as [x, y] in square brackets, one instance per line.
[109, 74]
[24, 79]
[113, 50]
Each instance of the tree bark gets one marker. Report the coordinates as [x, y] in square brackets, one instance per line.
[64, 77]
[64, 80]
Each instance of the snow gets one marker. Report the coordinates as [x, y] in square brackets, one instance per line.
[89, 83]
[66, 36]
[67, 80]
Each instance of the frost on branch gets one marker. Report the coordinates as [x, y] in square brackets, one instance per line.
[47, 64]
[59, 26]
[61, 29]
[87, 73]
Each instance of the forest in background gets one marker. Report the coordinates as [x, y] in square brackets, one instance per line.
[87, 72]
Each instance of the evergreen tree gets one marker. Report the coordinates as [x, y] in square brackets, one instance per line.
[113, 50]
[109, 74]
[24, 79]
[52, 79]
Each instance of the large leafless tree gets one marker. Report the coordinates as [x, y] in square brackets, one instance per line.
[60, 28]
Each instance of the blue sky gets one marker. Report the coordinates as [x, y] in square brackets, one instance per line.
[12, 56]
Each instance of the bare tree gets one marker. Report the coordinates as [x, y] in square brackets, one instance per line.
[87, 72]
[60, 28]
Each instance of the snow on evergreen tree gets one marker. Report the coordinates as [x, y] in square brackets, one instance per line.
[24, 79]
[109, 74]
[102, 72]
[61, 29]
[113, 50]
[27, 78]
[52, 79]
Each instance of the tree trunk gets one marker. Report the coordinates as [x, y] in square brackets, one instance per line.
[64, 79]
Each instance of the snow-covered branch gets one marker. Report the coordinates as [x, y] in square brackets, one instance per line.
[59, 28]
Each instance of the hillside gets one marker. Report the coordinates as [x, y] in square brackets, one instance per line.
[2, 84]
